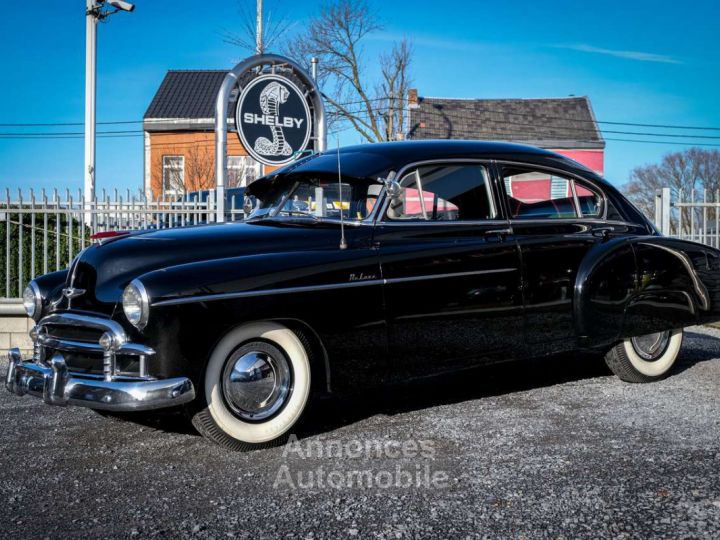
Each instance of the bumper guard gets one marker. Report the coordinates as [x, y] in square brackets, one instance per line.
[56, 386]
[51, 380]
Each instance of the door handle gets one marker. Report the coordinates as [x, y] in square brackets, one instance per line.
[603, 232]
[498, 232]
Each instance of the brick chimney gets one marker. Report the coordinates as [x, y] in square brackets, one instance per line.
[412, 99]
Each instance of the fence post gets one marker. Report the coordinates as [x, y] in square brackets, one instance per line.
[665, 228]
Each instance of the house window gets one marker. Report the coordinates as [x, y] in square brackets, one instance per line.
[242, 171]
[173, 174]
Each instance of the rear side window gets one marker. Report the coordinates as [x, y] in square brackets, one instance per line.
[538, 194]
[445, 192]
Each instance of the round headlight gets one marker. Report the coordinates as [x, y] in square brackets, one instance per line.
[136, 304]
[32, 301]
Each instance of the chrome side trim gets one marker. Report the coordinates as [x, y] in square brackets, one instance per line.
[265, 292]
[445, 276]
[57, 386]
[329, 286]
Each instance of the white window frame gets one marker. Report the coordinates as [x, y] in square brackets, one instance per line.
[167, 167]
[244, 167]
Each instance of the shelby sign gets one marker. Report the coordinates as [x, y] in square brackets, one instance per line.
[273, 119]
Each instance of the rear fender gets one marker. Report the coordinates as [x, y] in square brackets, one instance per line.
[678, 285]
[605, 283]
[634, 286]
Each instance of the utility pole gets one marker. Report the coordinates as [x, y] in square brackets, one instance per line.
[94, 13]
[91, 19]
[259, 45]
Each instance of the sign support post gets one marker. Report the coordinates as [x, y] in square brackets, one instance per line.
[269, 116]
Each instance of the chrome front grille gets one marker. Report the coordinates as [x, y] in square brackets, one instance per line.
[77, 337]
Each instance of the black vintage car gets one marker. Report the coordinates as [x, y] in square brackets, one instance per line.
[375, 264]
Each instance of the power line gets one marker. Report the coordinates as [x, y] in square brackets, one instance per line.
[534, 132]
[398, 100]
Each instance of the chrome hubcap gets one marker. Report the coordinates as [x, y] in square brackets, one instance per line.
[650, 347]
[256, 384]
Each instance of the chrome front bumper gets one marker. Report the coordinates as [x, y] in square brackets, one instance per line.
[56, 386]
[114, 390]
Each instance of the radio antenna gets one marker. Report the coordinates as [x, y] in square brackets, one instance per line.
[343, 243]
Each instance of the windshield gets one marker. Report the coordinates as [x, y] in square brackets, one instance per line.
[318, 197]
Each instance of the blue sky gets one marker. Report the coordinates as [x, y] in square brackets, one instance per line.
[655, 62]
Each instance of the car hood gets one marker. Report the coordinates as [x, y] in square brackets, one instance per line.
[102, 271]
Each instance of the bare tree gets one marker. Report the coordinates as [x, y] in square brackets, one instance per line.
[336, 36]
[394, 87]
[686, 173]
[199, 169]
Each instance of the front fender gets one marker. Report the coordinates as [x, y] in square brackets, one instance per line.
[324, 291]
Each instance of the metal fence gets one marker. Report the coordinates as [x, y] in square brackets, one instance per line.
[43, 231]
[690, 216]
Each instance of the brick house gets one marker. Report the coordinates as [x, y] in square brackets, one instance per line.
[564, 125]
[180, 136]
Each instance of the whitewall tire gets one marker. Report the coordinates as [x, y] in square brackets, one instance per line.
[256, 387]
[645, 358]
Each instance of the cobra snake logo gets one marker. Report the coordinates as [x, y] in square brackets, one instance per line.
[270, 99]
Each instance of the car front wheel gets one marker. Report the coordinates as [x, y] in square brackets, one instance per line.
[645, 358]
[256, 387]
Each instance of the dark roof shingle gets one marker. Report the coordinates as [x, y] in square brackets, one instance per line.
[186, 94]
[548, 123]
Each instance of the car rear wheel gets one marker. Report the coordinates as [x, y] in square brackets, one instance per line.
[256, 387]
[645, 358]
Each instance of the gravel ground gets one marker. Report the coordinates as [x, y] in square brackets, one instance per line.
[555, 448]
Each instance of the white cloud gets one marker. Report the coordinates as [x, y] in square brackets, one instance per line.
[628, 55]
[425, 40]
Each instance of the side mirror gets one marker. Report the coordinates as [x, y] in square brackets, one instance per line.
[247, 206]
[393, 188]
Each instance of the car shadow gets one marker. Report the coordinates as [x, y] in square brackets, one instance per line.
[693, 352]
[333, 412]
[486, 381]
[446, 389]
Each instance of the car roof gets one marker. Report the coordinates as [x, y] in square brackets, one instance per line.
[376, 160]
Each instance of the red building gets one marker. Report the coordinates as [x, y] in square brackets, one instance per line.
[564, 125]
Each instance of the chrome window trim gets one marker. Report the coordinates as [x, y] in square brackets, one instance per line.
[395, 223]
[325, 287]
[568, 174]
[381, 216]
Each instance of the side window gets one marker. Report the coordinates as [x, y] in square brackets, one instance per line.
[538, 194]
[444, 193]
[590, 201]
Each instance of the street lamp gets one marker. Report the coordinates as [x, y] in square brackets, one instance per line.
[96, 10]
